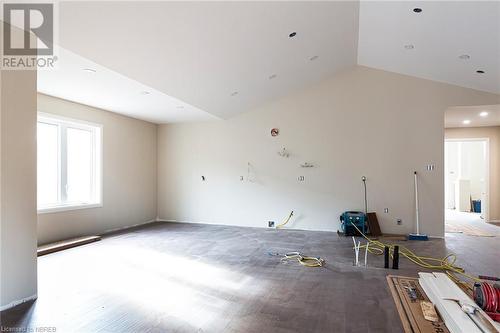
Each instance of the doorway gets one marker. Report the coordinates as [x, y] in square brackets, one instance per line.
[466, 179]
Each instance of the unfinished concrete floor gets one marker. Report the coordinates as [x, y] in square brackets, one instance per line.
[172, 277]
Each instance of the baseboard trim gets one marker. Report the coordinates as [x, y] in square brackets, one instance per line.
[16, 303]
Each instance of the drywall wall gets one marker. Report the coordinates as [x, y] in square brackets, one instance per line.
[362, 122]
[18, 187]
[493, 134]
[129, 175]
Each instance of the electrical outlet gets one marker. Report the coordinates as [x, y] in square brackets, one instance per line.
[386, 210]
[430, 167]
[270, 224]
[301, 178]
[399, 221]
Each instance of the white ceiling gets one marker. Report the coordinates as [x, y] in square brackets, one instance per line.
[442, 32]
[109, 90]
[454, 117]
[198, 53]
[202, 52]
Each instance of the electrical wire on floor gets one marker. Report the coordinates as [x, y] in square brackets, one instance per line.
[286, 221]
[302, 259]
[446, 264]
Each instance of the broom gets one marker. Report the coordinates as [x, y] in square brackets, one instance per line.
[418, 235]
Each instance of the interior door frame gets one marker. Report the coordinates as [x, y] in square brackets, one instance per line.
[487, 162]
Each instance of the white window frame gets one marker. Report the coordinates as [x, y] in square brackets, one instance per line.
[63, 124]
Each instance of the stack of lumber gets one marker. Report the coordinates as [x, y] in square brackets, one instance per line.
[452, 303]
[409, 297]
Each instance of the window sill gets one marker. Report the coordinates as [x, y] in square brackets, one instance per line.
[66, 208]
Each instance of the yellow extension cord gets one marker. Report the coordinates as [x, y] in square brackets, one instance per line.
[303, 260]
[446, 264]
[286, 221]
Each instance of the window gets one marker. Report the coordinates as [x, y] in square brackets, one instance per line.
[69, 164]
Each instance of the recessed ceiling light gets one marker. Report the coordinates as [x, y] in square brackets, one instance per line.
[409, 46]
[272, 76]
[234, 93]
[480, 71]
[484, 114]
[464, 57]
[89, 70]
[313, 58]
[292, 34]
[417, 10]
[145, 92]
[466, 122]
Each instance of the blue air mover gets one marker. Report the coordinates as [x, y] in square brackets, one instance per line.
[347, 219]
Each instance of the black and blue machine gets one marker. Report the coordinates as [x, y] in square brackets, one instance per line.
[350, 219]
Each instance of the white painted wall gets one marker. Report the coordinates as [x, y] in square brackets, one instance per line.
[474, 166]
[361, 122]
[17, 187]
[451, 163]
[129, 175]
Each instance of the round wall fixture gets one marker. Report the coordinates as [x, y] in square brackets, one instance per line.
[275, 132]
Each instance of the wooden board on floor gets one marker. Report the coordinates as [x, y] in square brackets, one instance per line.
[394, 237]
[467, 230]
[409, 309]
[66, 244]
[390, 237]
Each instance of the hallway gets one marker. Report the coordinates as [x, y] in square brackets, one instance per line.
[470, 224]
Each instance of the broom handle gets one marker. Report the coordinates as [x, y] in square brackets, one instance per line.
[416, 202]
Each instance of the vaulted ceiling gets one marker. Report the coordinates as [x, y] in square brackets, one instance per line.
[185, 61]
[446, 41]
